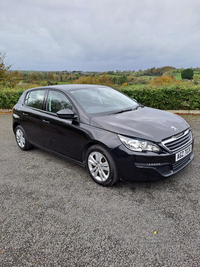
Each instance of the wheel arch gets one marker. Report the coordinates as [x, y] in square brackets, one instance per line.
[92, 143]
[15, 124]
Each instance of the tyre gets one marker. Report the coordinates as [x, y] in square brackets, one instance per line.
[21, 138]
[101, 166]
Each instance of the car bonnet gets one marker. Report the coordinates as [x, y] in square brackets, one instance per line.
[145, 123]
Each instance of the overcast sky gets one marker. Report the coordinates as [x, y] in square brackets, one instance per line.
[100, 35]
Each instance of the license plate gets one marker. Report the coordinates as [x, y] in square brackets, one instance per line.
[183, 153]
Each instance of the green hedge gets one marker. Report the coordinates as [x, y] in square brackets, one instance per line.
[9, 98]
[168, 97]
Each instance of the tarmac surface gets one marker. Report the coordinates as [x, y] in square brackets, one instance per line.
[53, 214]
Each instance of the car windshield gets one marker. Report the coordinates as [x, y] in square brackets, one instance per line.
[103, 100]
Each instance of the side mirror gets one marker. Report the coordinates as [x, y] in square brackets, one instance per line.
[66, 114]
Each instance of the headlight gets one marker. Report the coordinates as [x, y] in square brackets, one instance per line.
[138, 144]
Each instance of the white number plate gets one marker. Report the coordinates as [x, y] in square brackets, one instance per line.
[183, 153]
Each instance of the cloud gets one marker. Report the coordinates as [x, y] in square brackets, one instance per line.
[100, 35]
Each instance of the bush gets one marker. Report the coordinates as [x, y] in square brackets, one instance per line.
[187, 74]
[141, 80]
[122, 79]
[162, 80]
[169, 74]
[9, 98]
[196, 79]
[43, 83]
[172, 97]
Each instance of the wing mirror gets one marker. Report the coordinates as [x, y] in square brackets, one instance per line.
[66, 114]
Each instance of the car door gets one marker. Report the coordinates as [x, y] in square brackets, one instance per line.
[60, 135]
[31, 116]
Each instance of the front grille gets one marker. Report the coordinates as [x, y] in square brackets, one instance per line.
[181, 163]
[178, 141]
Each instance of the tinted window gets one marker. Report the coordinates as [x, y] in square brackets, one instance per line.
[57, 101]
[35, 99]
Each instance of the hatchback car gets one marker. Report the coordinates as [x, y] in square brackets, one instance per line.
[100, 128]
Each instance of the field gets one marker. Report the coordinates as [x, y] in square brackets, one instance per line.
[154, 83]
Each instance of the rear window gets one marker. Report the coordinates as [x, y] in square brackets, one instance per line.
[35, 99]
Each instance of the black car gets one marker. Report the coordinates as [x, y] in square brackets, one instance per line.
[100, 128]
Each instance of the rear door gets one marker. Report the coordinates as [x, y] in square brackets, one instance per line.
[32, 116]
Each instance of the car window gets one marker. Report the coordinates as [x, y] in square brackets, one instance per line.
[57, 101]
[35, 98]
[102, 100]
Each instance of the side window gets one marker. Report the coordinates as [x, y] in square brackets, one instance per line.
[57, 101]
[35, 99]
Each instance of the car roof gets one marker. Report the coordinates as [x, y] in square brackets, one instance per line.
[67, 87]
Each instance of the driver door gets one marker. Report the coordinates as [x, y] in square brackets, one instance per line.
[60, 135]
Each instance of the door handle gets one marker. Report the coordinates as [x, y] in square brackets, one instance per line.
[46, 122]
[25, 114]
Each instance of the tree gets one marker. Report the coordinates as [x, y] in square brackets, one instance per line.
[187, 74]
[169, 74]
[49, 76]
[114, 80]
[3, 69]
[122, 79]
[34, 76]
[6, 77]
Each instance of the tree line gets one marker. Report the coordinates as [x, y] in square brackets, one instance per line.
[11, 78]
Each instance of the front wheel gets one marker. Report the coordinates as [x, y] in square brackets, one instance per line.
[101, 166]
[21, 138]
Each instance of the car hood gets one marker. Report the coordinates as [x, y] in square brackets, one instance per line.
[145, 123]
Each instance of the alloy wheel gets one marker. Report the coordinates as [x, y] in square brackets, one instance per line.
[98, 166]
[20, 138]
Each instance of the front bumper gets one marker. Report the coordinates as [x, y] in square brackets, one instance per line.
[144, 167]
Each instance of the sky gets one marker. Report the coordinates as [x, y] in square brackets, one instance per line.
[100, 35]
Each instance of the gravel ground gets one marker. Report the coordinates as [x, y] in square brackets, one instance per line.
[53, 214]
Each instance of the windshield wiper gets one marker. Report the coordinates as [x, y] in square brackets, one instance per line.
[121, 111]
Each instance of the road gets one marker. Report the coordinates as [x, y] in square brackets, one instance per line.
[53, 214]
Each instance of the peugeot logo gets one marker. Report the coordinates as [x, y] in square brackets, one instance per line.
[174, 128]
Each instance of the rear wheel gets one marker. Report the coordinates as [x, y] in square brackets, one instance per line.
[21, 138]
[101, 166]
